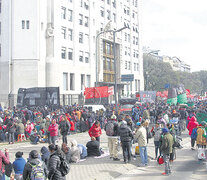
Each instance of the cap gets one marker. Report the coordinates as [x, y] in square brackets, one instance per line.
[165, 130]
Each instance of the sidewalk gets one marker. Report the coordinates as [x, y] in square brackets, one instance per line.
[106, 169]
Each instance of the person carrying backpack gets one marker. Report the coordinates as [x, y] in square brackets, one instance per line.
[35, 169]
[192, 125]
[57, 165]
[112, 129]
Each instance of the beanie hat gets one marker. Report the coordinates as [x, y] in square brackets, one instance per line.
[138, 123]
[165, 130]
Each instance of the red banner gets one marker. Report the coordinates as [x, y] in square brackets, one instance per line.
[98, 92]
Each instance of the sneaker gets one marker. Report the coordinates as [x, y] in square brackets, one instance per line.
[166, 174]
[111, 157]
[192, 148]
[116, 159]
[141, 165]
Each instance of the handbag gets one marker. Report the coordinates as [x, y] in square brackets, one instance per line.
[137, 150]
[201, 154]
[160, 160]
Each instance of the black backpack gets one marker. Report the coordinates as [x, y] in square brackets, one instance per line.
[64, 166]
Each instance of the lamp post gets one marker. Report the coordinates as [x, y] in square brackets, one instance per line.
[115, 63]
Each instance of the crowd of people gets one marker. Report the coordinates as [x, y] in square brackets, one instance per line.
[43, 125]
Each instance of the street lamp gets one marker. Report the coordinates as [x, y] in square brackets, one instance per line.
[114, 52]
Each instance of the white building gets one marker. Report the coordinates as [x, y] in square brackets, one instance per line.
[46, 43]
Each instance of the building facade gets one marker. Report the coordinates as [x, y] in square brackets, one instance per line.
[52, 43]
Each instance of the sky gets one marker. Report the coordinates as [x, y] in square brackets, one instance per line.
[177, 28]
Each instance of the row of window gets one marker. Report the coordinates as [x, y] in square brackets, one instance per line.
[25, 24]
[128, 66]
[67, 53]
[69, 33]
[69, 81]
[64, 14]
[85, 23]
[109, 2]
[84, 4]
[84, 56]
[108, 15]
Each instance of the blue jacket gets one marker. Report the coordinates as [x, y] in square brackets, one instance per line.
[83, 151]
[18, 165]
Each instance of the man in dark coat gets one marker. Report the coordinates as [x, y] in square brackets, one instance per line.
[126, 137]
[64, 129]
[93, 147]
[33, 161]
[11, 127]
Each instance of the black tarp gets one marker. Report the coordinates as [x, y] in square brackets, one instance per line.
[38, 96]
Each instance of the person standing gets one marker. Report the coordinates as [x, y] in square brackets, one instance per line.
[4, 159]
[95, 131]
[112, 131]
[157, 135]
[141, 136]
[11, 127]
[64, 129]
[191, 125]
[126, 137]
[53, 129]
[167, 149]
[54, 162]
[18, 165]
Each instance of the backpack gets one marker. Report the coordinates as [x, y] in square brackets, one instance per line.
[64, 126]
[64, 167]
[109, 129]
[194, 134]
[37, 172]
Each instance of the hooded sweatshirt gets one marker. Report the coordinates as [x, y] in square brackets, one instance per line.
[192, 124]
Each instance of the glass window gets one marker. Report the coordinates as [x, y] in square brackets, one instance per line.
[104, 63]
[86, 57]
[70, 34]
[128, 37]
[63, 12]
[81, 56]
[28, 24]
[63, 31]
[102, 12]
[65, 81]
[82, 81]
[126, 64]
[129, 67]
[80, 19]
[108, 48]
[80, 37]
[70, 54]
[108, 1]
[72, 81]
[63, 52]
[135, 67]
[114, 17]
[23, 24]
[108, 15]
[70, 15]
[125, 35]
[88, 77]
[86, 21]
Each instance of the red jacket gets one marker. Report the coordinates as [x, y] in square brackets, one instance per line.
[192, 124]
[53, 129]
[72, 126]
[94, 131]
[4, 158]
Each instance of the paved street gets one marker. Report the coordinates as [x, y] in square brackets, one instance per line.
[186, 166]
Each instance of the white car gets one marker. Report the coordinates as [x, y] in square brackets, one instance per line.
[95, 108]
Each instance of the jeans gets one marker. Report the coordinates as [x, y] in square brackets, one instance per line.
[11, 137]
[36, 140]
[64, 138]
[143, 155]
[54, 139]
[98, 139]
[167, 164]
[126, 147]
[157, 147]
[193, 142]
